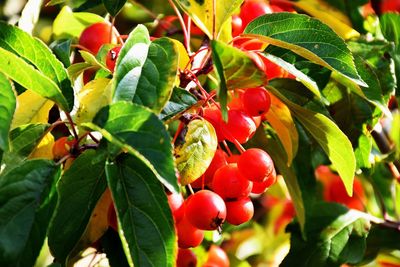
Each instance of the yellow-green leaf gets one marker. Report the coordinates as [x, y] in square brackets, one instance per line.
[201, 12]
[332, 140]
[307, 37]
[31, 108]
[92, 97]
[195, 155]
[281, 120]
[331, 16]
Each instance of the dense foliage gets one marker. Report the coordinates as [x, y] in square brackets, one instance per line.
[199, 133]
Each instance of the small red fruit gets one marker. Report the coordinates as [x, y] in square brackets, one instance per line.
[256, 101]
[112, 56]
[96, 35]
[240, 126]
[239, 211]
[261, 187]
[217, 257]
[256, 165]
[213, 115]
[205, 210]
[186, 258]
[217, 162]
[62, 147]
[237, 28]
[230, 184]
[175, 201]
[188, 235]
[252, 9]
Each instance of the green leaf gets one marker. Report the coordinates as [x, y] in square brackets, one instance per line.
[130, 63]
[180, 101]
[70, 24]
[79, 190]
[114, 6]
[202, 13]
[23, 192]
[7, 108]
[62, 49]
[304, 79]
[332, 140]
[138, 131]
[307, 37]
[389, 23]
[232, 65]
[381, 239]
[23, 73]
[274, 148]
[35, 52]
[23, 139]
[335, 236]
[196, 153]
[38, 231]
[158, 75]
[145, 220]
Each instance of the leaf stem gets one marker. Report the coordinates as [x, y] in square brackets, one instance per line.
[71, 122]
[186, 37]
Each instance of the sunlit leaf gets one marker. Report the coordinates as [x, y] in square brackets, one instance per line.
[44, 150]
[332, 140]
[23, 73]
[138, 131]
[95, 95]
[7, 109]
[281, 120]
[329, 15]
[70, 24]
[196, 153]
[36, 53]
[202, 13]
[31, 108]
[307, 37]
[30, 15]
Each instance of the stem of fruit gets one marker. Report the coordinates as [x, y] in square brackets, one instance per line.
[186, 37]
[238, 146]
[71, 122]
[80, 47]
[94, 138]
[190, 189]
[227, 148]
[63, 159]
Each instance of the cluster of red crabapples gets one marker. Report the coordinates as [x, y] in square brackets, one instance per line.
[229, 178]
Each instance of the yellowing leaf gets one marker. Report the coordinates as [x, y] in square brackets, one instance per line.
[44, 149]
[97, 226]
[92, 97]
[201, 12]
[69, 24]
[195, 155]
[31, 108]
[281, 120]
[183, 57]
[331, 16]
